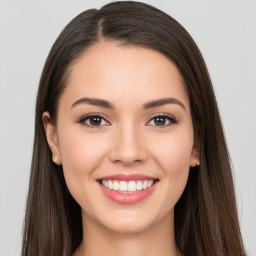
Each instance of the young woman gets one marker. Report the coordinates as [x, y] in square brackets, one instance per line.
[129, 153]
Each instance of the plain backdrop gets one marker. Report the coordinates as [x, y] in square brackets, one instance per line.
[225, 31]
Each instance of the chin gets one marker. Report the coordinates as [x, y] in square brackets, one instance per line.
[128, 223]
[128, 227]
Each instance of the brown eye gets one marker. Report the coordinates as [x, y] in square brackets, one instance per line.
[162, 120]
[93, 121]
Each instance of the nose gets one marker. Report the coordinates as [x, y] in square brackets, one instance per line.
[128, 146]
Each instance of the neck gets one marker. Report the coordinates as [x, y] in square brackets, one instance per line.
[156, 240]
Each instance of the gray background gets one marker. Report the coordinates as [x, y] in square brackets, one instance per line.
[225, 31]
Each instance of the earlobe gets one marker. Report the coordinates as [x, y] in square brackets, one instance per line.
[195, 159]
[52, 138]
[195, 154]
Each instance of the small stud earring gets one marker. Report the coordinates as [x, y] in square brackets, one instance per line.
[197, 162]
[55, 159]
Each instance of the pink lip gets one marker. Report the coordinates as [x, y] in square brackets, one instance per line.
[127, 177]
[127, 198]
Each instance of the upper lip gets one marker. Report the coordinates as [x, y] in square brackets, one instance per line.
[128, 177]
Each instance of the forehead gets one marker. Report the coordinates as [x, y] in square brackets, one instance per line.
[112, 72]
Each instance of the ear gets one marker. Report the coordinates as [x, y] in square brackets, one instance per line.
[195, 153]
[52, 138]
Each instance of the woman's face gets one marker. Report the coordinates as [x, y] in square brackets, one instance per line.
[124, 112]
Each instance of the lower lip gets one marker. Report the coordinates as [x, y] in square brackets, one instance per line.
[127, 198]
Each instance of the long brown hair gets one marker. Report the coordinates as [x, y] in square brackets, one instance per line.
[206, 221]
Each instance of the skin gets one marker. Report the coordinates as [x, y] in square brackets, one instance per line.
[128, 140]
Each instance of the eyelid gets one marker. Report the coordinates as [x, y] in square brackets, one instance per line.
[83, 118]
[171, 118]
[163, 114]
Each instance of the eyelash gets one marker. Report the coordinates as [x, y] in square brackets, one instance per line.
[87, 117]
[170, 118]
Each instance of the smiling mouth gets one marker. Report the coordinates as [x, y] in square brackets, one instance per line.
[131, 186]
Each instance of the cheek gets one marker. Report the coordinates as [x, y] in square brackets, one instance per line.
[81, 152]
[174, 152]
[178, 157]
[173, 155]
[174, 160]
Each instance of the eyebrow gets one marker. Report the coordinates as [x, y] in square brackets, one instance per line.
[161, 102]
[93, 101]
[106, 104]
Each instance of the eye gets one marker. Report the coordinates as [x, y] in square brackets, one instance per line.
[162, 120]
[94, 121]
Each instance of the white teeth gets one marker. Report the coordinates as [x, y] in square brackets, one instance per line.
[131, 186]
[139, 185]
[115, 185]
[105, 183]
[145, 184]
[150, 183]
[123, 186]
[110, 184]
